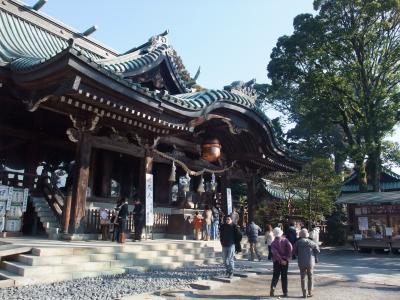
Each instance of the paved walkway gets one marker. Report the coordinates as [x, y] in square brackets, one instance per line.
[339, 275]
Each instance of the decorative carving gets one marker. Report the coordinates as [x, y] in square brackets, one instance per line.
[233, 128]
[243, 88]
[88, 124]
[34, 105]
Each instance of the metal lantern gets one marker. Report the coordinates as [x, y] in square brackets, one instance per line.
[200, 188]
[172, 176]
[211, 150]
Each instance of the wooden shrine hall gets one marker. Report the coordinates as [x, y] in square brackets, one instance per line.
[66, 98]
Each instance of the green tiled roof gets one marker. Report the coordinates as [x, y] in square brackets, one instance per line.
[23, 44]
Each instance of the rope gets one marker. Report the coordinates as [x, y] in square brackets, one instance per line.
[191, 172]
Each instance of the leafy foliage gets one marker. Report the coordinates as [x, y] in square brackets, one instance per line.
[309, 195]
[340, 69]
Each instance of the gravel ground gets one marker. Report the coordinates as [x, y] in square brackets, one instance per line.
[325, 289]
[111, 287]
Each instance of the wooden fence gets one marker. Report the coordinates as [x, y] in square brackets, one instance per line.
[93, 221]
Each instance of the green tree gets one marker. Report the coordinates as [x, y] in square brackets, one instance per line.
[310, 194]
[341, 68]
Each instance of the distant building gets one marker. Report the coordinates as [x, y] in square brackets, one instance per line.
[373, 215]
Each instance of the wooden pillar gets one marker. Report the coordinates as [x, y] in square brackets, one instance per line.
[251, 197]
[78, 205]
[106, 174]
[146, 167]
[32, 162]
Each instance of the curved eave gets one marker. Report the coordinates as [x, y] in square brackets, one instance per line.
[70, 58]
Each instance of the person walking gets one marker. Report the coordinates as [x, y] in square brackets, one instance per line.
[306, 249]
[215, 222]
[229, 236]
[235, 216]
[197, 225]
[207, 222]
[281, 252]
[291, 235]
[269, 238]
[104, 223]
[138, 213]
[252, 231]
[122, 218]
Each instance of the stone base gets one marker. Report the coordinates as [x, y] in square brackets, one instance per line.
[10, 234]
[80, 236]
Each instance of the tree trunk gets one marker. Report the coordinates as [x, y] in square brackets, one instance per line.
[374, 167]
[361, 174]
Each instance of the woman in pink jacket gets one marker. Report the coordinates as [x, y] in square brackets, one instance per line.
[281, 252]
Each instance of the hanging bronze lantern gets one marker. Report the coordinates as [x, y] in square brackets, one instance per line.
[211, 150]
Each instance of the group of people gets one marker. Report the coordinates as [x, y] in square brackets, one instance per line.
[304, 246]
[116, 225]
[207, 225]
[301, 245]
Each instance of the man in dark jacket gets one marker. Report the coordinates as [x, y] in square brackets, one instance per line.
[122, 218]
[138, 213]
[291, 235]
[229, 236]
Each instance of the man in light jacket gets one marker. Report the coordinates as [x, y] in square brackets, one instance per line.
[252, 231]
[306, 249]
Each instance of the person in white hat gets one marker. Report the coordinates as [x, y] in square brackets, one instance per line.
[306, 250]
[281, 252]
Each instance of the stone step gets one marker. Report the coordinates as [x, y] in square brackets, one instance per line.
[27, 270]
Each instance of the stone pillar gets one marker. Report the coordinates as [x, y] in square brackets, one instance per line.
[78, 205]
[251, 196]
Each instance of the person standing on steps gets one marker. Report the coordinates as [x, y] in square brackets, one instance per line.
[281, 252]
[229, 236]
[305, 250]
[215, 222]
[122, 219]
[252, 231]
[207, 216]
[138, 214]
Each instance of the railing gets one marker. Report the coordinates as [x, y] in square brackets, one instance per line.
[36, 183]
[93, 221]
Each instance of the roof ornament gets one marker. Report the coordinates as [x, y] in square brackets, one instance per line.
[243, 89]
[90, 30]
[38, 5]
[197, 74]
[158, 40]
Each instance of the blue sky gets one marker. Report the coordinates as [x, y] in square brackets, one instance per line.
[230, 39]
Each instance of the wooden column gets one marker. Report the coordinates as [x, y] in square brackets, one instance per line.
[251, 196]
[106, 174]
[146, 167]
[78, 207]
[32, 162]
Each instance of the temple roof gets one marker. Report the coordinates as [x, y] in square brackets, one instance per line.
[389, 181]
[33, 51]
[24, 44]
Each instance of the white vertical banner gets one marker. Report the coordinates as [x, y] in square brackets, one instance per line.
[10, 197]
[25, 202]
[229, 200]
[149, 200]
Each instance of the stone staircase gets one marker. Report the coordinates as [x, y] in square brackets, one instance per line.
[45, 265]
[47, 217]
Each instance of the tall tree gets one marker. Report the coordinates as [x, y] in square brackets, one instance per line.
[341, 68]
